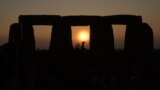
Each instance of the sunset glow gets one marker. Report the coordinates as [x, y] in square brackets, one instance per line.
[83, 36]
[119, 36]
[42, 35]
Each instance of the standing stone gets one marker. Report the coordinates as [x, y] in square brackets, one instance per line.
[147, 35]
[139, 38]
[9, 53]
[138, 50]
[15, 32]
[61, 38]
[28, 39]
[25, 57]
[132, 38]
[102, 38]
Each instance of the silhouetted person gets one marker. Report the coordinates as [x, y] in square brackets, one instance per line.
[83, 46]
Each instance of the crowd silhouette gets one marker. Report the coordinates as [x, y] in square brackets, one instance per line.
[62, 67]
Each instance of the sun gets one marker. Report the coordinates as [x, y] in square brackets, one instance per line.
[83, 36]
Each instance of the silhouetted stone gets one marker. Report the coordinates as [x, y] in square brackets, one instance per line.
[67, 41]
[138, 50]
[80, 20]
[147, 52]
[147, 35]
[102, 51]
[15, 32]
[29, 20]
[24, 57]
[66, 68]
[133, 49]
[123, 19]
[57, 37]
[102, 37]
[139, 38]
[61, 37]
[9, 53]
[132, 38]
[39, 19]
[28, 39]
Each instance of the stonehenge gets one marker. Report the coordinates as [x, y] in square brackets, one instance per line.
[100, 58]
[101, 33]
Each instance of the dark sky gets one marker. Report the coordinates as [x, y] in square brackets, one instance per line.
[11, 9]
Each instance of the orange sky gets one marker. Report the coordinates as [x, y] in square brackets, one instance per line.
[42, 35]
[11, 9]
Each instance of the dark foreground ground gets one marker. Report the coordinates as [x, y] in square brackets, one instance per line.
[80, 72]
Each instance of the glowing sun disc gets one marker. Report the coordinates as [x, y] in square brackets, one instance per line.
[83, 36]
